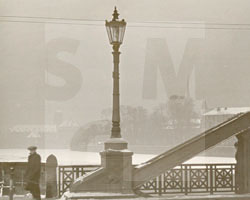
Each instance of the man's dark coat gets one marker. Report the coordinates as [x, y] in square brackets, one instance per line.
[33, 170]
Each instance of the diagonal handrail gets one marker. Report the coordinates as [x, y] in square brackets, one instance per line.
[195, 145]
[190, 140]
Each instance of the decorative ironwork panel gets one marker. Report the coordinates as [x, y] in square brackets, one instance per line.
[67, 174]
[151, 186]
[193, 178]
[198, 179]
[224, 178]
[173, 180]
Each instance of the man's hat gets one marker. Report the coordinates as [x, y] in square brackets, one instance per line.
[32, 148]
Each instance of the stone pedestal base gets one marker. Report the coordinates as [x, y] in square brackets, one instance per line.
[242, 177]
[118, 165]
[114, 175]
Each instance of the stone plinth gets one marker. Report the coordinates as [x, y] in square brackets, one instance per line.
[243, 163]
[118, 165]
[114, 175]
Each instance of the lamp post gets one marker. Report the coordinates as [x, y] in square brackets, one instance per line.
[115, 29]
[116, 172]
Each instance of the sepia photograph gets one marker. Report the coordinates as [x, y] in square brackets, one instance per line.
[125, 99]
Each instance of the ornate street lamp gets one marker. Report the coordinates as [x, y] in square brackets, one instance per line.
[116, 29]
[115, 176]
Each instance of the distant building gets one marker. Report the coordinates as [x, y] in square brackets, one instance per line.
[217, 116]
[221, 114]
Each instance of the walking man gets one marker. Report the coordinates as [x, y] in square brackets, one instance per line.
[32, 174]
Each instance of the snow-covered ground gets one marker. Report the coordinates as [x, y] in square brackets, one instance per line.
[68, 157]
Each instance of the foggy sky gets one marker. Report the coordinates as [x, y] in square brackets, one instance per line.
[47, 67]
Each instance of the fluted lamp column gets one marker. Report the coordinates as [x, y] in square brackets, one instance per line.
[116, 29]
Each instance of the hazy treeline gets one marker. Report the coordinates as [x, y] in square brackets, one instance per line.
[167, 124]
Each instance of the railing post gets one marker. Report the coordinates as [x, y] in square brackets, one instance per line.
[211, 180]
[59, 181]
[2, 182]
[77, 172]
[186, 179]
[160, 184]
[11, 191]
[232, 178]
[51, 177]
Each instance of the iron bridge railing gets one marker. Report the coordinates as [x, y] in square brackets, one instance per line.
[185, 179]
[193, 178]
[67, 174]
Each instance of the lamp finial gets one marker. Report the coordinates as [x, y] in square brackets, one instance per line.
[115, 15]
